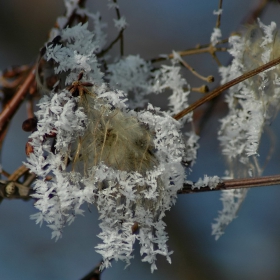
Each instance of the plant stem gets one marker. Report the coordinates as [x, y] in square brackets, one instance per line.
[222, 88]
[234, 184]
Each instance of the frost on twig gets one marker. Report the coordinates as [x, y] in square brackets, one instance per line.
[125, 162]
[169, 77]
[252, 104]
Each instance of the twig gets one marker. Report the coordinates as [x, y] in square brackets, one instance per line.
[222, 88]
[73, 16]
[234, 184]
[94, 274]
[13, 188]
[11, 108]
[197, 50]
[121, 33]
[208, 79]
[250, 19]
[202, 89]
[256, 12]
[100, 54]
[119, 37]
[218, 23]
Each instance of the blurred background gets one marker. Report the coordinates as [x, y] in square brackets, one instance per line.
[250, 248]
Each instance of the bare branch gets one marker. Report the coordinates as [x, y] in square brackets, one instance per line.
[15, 102]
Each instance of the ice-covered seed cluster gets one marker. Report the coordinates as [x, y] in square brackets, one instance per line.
[252, 105]
[125, 162]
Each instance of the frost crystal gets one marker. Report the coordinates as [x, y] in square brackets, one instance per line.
[252, 104]
[127, 163]
[120, 23]
[131, 74]
[216, 36]
[169, 77]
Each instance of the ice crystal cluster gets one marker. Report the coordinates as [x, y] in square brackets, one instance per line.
[252, 105]
[128, 163]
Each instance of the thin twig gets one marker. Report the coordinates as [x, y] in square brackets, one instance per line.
[202, 89]
[11, 108]
[208, 48]
[222, 88]
[234, 184]
[249, 20]
[121, 33]
[218, 23]
[100, 54]
[119, 37]
[94, 274]
[256, 13]
[208, 79]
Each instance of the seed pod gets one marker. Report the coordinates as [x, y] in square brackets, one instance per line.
[29, 124]
[10, 188]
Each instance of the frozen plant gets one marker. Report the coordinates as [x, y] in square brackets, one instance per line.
[125, 162]
[252, 105]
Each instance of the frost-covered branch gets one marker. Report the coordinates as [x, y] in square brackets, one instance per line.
[226, 86]
[233, 184]
[96, 138]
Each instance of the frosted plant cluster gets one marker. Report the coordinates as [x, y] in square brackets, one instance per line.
[127, 163]
[252, 105]
[98, 141]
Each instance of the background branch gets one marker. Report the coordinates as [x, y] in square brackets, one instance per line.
[234, 184]
[222, 88]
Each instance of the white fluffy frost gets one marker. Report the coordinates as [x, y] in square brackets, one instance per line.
[124, 198]
[252, 104]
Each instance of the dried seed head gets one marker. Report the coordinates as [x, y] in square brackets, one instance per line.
[29, 124]
[115, 138]
[10, 188]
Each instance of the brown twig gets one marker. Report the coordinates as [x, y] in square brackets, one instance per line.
[222, 88]
[15, 186]
[121, 32]
[259, 9]
[119, 37]
[234, 184]
[208, 48]
[218, 23]
[11, 108]
[94, 274]
[202, 89]
[208, 79]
